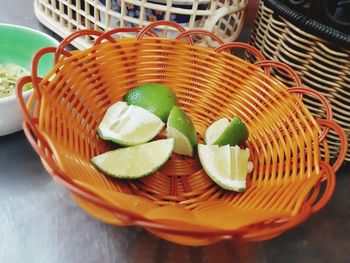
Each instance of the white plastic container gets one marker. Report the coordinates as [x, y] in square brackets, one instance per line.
[222, 17]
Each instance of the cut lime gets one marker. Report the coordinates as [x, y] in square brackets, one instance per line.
[182, 143]
[156, 98]
[136, 161]
[214, 131]
[226, 165]
[129, 125]
[181, 128]
[239, 167]
[223, 132]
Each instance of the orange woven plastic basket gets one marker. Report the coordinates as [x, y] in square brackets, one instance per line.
[179, 202]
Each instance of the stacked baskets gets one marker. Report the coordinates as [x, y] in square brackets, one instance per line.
[318, 53]
[222, 17]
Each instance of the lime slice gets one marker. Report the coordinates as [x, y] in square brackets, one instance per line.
[223, 132]
[181, 128]
[156, 98]
[226, 165]
[214, 131]
[182, 143]
[239, 168]
[129, 125]
[136, 161]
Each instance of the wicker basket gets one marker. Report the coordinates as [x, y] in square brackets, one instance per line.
[179, 202]
[318, 53]
[222, 17]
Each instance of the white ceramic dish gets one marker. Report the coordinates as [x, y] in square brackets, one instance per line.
[18, 45]
[10, 115]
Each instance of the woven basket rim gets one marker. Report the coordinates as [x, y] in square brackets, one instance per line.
[308, 24]
[44, 148]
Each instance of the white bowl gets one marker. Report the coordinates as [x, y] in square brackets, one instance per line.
[18, 45]
[10, 114]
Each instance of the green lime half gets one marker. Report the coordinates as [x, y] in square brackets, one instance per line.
[136, 161]
[156, 98]
[223, 132]
[181, 128]
[129, 125]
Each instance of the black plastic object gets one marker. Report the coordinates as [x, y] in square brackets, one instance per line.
[311, 16]
[337, 13]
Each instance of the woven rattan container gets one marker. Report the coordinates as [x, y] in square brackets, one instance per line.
[179, 202]
[224, 18]
[318, 53]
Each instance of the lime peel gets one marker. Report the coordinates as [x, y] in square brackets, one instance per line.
[156, 98]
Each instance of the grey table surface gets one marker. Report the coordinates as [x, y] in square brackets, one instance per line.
[40, 223]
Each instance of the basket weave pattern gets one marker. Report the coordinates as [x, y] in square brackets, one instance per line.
[222, 17]
[321, 65]
[179, 202]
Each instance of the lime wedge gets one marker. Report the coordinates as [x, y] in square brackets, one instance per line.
[182, 143]
[136, 161]
[181, 128]
[226, 165]
[129, 125]
[156, 98]
[223, 132]
[214, 131]
[239, 168]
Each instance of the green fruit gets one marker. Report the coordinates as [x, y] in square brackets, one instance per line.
[227, 166]
[181, 128]
[129, 125]
[223, 132]
[136, 161]
[156, 98]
